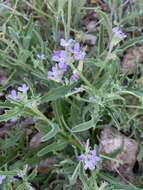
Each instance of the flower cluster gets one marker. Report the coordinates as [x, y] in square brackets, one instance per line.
[72, 52]
[90, 158]
[14, 94]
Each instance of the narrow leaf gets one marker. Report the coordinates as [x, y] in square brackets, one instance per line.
[83, 126]
[9, 173]
[130, 43]
[106, 21]
[10, 114]
[101, 40]
[56, 93]
[52, 133]
[74, 176]
[52, 147]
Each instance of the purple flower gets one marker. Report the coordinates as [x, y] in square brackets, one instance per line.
[24, 88]
[89, 159]
[63, 66]
[2, 177]
[61, 57]
[81, 157]
[117, 33]
[65, 43]
[57, 72]
[78, 54]
[41, 56]
[13, 95]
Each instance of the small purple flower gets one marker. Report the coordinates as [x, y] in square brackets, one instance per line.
[63, 66]
[117, 33]
[2, 177]
[56, 73]
[89, 159]
[24, 88]
[78, 54]
[74, 77]
[41, 56]
[81, 157]
[61, 57]
[13, 95]
[65, 43]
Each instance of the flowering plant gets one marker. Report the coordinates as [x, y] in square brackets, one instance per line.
[69, 70]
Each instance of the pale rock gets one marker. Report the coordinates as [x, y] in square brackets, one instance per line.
[112, 140]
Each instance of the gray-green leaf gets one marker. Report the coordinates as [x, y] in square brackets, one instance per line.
[52, 133]
[83, 126]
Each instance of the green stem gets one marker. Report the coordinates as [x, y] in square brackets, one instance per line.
[77, 142]
[82, 77]
[109, 158]
[70, 140]
[41, 115]
[69, 18]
